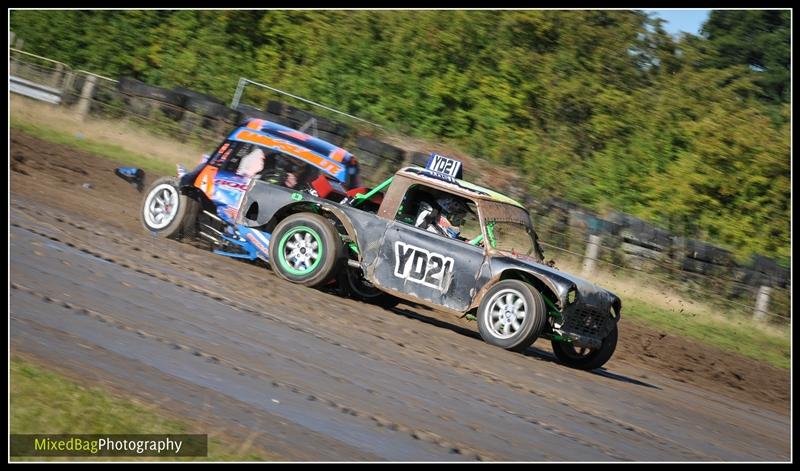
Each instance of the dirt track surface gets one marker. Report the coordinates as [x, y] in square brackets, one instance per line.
[311, 376]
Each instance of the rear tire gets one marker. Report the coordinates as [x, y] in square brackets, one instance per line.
[511, 315]
[357, 288]
[306, 249]
[166, 212]
[567, 354]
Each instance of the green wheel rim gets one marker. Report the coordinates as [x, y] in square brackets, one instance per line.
[300, 250]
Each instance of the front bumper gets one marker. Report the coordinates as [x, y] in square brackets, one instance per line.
[585, 325]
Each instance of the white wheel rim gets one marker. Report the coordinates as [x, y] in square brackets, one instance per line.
[505, 313]
[161, 206]
[301, 251]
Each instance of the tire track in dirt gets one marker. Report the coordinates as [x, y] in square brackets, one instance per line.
[417, 434]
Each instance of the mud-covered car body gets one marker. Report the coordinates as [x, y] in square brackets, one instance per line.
[312, 233]
[423, 267]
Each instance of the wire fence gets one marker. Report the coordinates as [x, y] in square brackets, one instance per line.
[38, 69]
[744, 308]
[243, 82]
[728, 292]
[673, 266]
[106, 101]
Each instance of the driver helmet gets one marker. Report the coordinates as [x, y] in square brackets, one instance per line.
[452, 212]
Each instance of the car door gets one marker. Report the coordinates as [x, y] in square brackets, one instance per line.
[428, 266]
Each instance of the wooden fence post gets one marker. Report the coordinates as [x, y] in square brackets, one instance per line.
[58, 74]
[762, 303]
[85, 101]
[592, 250]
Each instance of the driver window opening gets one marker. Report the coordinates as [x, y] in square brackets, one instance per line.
[511, 237]
[441, 213]
[253, 161]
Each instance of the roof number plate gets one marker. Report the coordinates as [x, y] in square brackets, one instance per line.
[445, 165]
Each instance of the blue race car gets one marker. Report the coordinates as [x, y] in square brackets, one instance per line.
[258, 150]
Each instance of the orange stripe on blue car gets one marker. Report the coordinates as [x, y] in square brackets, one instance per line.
[322, 162]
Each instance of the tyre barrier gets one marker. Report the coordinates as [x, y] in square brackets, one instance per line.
[334, 139]
[149, 108]
[144, 99]
[210, 109]
[247, 111]
[376, 147]
[778, 275]
[725, 273]
[367, 159]
[705, 252]
[302, 117]
[418, 158]
[376, 168]
[638, 239]
[275, 107]
[131, 86]
[749, 276]
[328, 130]
[188, 93]
[637, 231]
[705, 268]
[593, 224]
[559, 204]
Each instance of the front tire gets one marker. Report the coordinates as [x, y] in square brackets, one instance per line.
[586, 358]
[166, 212]
[306, 249]
[511, 315]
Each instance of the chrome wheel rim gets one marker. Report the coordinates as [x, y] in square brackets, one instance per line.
[301, 251]
[161, 206]
[506, 313]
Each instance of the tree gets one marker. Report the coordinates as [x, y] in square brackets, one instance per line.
[600, 107]
[760, 39]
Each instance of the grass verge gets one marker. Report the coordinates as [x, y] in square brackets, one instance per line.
[732, 334]
[103, 149]
[45, 402]
[657, 304]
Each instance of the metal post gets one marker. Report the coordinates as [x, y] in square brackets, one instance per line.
[57, 75]
[311, 123]
[11, 37]
[69, 81]
[238, 95]
[762, 303]
[243, 81]
[592, 250]
[84, 103]
[13, 65]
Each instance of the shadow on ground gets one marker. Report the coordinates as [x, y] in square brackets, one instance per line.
[531, 352]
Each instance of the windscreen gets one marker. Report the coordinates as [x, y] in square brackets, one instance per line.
[509, 229]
